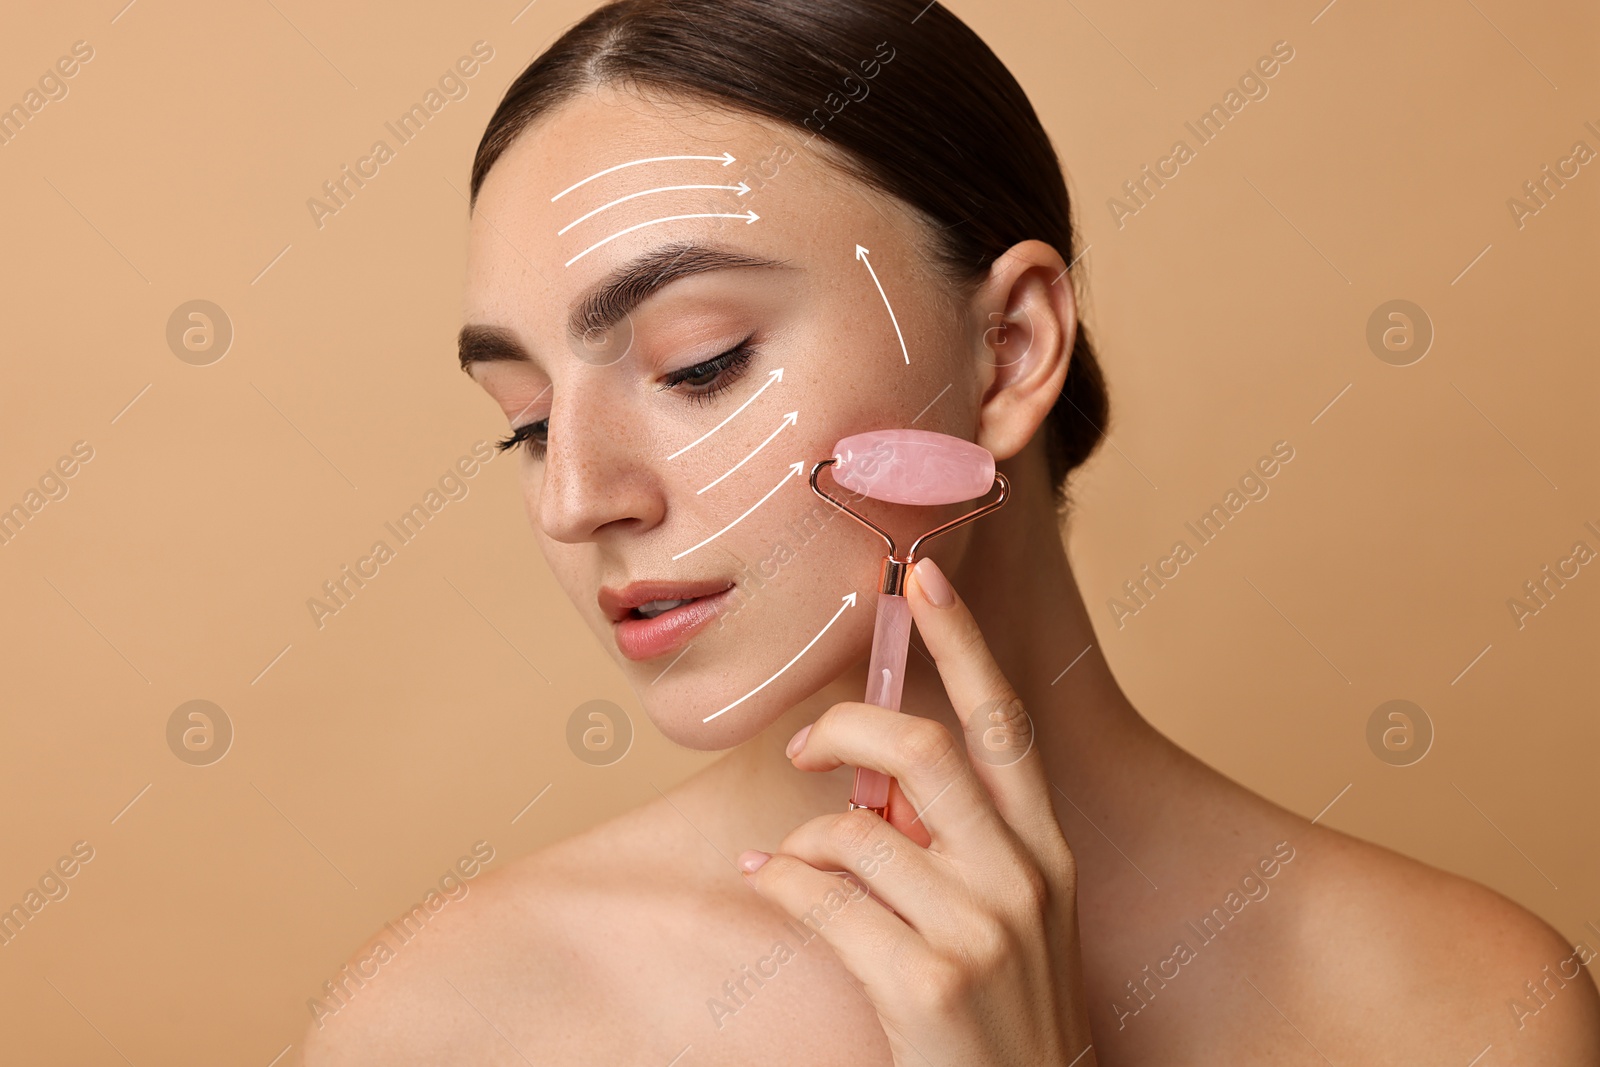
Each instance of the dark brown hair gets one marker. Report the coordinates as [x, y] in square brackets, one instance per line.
[942, 126]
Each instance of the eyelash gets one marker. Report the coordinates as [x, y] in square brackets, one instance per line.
[728, 368]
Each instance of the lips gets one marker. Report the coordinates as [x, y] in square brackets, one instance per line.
[639, 638]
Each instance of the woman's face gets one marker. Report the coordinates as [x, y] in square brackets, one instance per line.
[669, 373]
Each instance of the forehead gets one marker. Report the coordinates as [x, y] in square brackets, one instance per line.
[613, 173]
[603, 126]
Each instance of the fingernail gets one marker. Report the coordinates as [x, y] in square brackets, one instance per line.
[934, 583]
[751, 860]
[798, 741]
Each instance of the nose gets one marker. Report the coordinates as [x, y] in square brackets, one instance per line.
[599, 474]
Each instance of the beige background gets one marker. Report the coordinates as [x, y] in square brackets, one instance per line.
[425, 716]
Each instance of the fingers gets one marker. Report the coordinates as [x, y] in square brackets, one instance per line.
[920, 754]
[908, 878]
[998, 731]
[867, 937]
[903, 815]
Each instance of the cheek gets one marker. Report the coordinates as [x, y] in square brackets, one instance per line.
[794, 556]
[787, 632]
[790, 630]
[571, 565]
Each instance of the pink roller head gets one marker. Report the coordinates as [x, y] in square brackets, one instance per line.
[913, 467]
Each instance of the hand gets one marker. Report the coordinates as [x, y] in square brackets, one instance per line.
[978, 961]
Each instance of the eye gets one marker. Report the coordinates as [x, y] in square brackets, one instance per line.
[704, 380]
[715, 375]
[530, 435]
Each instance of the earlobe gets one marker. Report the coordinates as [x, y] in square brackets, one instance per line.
[1024, 348]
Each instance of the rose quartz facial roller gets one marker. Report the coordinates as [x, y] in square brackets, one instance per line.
[903, 467]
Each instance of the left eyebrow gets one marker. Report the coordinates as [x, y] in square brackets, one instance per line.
[614, 297]
[485, 344]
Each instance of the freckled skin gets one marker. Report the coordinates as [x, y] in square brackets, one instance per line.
[612, 946]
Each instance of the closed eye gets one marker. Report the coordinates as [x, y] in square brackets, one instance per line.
[715, 375]
[704, 382]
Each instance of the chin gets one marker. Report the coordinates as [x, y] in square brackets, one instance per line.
[680, 721]
[730, 659]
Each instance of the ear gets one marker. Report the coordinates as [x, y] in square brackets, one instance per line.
[1027, 320]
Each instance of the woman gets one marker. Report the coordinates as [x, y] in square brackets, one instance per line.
[709, 239]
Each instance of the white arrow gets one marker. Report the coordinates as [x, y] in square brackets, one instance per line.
[775, 376]
[724, 159]
[797, 469]
[849, 602]
[788, 420]
[741, 189]
[748, 216]
[861, 254]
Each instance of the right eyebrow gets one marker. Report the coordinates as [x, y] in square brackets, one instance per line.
[614, 297]
[618, 294]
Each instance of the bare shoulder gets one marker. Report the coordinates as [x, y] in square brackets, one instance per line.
[499, 975]
[1410, 964]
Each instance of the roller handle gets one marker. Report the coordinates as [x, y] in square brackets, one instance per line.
[891, 640]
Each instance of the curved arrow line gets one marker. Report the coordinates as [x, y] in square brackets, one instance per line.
[799, 472]
[741, 189]
[775, 376]
[726, 158]
[861, 254]
[788, 420]
[849, 602]
[748, 216]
